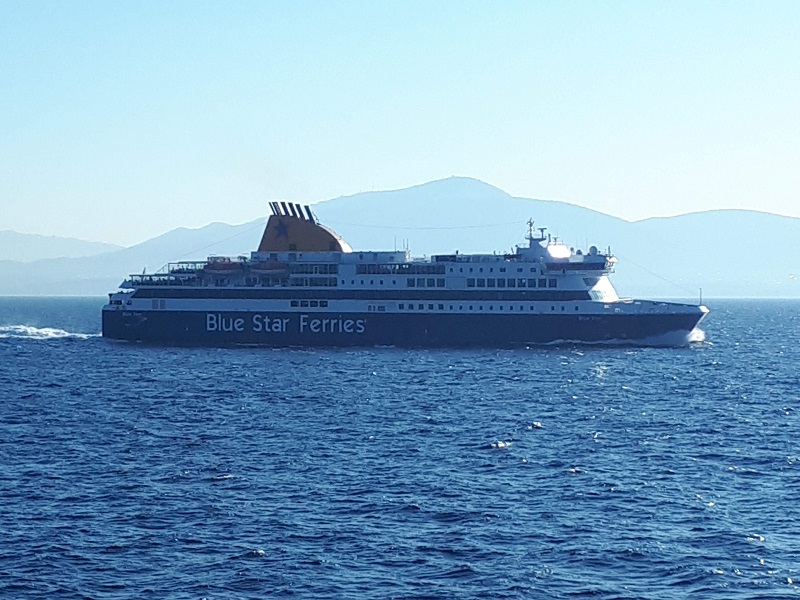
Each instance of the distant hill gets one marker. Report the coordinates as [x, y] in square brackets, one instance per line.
[96, 275]
[729, 253]
[30, 247]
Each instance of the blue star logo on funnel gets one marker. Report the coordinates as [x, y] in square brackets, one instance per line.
[283, 229]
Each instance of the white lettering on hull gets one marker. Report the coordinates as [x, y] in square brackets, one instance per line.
[338, 325]
[218, 322]
[266, 324]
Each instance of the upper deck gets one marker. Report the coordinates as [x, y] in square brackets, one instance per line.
[293, 254]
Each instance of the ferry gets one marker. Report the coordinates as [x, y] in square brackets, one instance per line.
[305, 286]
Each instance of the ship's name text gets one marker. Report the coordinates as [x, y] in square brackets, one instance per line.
[261, 323]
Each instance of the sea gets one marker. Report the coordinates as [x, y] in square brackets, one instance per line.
[130, 471]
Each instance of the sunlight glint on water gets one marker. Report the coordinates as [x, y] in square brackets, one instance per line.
[550, 472]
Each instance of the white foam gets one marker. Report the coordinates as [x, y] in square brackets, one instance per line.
[670, 339]
[697, 336]
[40, 333]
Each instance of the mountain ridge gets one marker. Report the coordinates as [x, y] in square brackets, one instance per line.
[692, 250]
[30, 247]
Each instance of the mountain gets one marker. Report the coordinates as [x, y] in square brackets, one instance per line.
[729, 253]
[458, 213]
[30, 247]
[97, 275]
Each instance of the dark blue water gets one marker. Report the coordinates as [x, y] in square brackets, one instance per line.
[133, 471]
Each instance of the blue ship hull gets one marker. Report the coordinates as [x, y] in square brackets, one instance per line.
[317, 329]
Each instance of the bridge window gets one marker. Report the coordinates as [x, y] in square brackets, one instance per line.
[410, 282]
[490, 283]
[542, 282]
[552, 283]
[440, 282]
[481, 282]
[470, 283]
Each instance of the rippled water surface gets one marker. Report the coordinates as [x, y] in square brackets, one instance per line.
[132, 471]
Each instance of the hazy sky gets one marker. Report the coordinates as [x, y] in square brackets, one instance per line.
[122, 120]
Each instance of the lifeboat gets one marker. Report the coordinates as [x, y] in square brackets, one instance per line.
[222, 265]
[269, 268]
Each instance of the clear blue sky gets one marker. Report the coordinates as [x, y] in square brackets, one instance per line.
[122, 120]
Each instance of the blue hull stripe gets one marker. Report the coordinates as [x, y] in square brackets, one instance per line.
[360, 294]
[371, 329]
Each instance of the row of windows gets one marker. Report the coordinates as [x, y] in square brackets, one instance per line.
[425, 269]
[309, 269]
[313, 281]
[400, 269]
[412, 306]
[384, 295]
[491, 269]
[425, 282]
[401, 306]
[309, 303]
[512, 283]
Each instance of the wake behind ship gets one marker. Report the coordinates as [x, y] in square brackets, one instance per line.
[305, 286]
